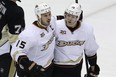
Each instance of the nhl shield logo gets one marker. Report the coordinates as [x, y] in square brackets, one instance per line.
[42, 34]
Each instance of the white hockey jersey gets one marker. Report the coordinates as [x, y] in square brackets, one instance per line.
[71, 45]
[38, 44]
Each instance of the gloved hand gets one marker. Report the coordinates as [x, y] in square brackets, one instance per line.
[20, 71]
[37, 71]
[31, 67]
[94, 71]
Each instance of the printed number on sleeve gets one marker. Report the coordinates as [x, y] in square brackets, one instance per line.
[21, 44]
[18, 27]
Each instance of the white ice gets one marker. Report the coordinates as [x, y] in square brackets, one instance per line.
[99, 13]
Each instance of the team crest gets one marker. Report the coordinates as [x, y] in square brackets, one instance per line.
[63, 32]
[42, 34]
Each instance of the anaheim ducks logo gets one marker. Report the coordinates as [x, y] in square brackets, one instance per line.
[69, 43]
[45, 46]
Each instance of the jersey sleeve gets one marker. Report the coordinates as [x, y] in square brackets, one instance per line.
[90, 45]
[21, 46]
[2, 17]
[15, 20]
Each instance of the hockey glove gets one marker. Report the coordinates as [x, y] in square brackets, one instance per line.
[28, 65]
[93, 71]
[21, 72]
[37, 71]
[94, 68]
[31, 67]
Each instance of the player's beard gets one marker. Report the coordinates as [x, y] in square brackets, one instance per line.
[47, 23]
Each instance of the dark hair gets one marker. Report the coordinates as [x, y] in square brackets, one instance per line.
[19, 0]
[81, 16]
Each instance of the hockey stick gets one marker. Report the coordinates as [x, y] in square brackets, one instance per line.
[86, 61]
[87, 66]
[76, 1]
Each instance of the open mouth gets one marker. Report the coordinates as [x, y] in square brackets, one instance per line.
[69, 22]
[48, 21]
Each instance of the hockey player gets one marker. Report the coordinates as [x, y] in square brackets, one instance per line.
[33, 51]
[11, 24]
[73, 37]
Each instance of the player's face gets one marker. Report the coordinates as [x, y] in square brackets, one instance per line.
[46, 18]
[70, 20]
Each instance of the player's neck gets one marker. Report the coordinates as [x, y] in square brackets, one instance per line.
[77, 25]
[39, 25]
